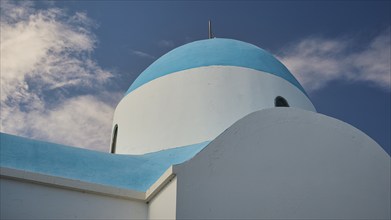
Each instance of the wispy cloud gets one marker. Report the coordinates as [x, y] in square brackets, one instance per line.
[143, 54]
[45, 59]
[166, 43]
[317, 61]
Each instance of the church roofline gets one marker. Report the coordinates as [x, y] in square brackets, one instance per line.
[72, 184]
[81, 186]
[128, 172]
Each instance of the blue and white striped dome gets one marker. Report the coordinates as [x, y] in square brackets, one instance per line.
[217, 51]
[194, 92]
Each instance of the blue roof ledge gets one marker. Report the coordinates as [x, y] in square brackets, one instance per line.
[131, 172]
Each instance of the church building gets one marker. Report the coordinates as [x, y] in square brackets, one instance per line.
[216, 128]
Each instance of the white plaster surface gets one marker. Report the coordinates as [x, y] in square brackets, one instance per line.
[71, 184]
[286, 163]
[163, 205]
[186, 108]
[23, 200]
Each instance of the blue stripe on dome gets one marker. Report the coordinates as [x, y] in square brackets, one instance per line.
[217, 51]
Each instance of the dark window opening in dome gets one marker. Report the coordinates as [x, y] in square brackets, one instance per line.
[280, 102]
[114, 142]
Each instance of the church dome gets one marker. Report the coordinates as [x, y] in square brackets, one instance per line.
[216, 51]
[196, 91]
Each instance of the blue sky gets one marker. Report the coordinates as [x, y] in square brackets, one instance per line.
[66, 64]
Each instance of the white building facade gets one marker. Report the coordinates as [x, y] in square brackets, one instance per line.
[216, 128]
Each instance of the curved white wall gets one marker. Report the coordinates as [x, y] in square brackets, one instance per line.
[286, 163]
[196, 105]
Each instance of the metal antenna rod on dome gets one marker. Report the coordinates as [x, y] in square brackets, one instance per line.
[210, 30]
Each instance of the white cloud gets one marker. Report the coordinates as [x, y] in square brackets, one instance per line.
[166, 43]
[318, 61]
[45, 57]
[80, 121]
[143, 54]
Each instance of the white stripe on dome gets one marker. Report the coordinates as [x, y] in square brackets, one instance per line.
[196, 105]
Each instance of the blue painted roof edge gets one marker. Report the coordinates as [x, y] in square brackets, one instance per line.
[135, 172]
[217, 51]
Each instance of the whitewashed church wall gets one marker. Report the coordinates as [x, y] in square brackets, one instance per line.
[24, 200]
[163, 205]
[286, 163]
